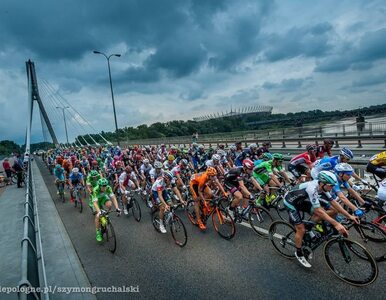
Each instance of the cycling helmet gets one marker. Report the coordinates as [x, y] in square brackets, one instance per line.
[248, 164]
[267, 156]
[184, 162]
[278, 156]
[211, 171]
[94, 173]
[253, 146]
[158, 165]
[327, 177]
[233, 148]
[328, 141]
[163, 145]
[221, 146]
[216, 157]
[128, 169]
[201, 147]
[221, 152]
[347, 153]
[58, 166]
[343, 168]
[168, 175]
[75, 170]
[310, 147]
[94, 162]
[103, 182]
[116, 157]
[146, 161]
[171, 157]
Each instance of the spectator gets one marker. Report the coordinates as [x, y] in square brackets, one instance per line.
[17, 166]
[8, 170]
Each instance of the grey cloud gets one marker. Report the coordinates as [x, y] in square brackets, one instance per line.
[288, 85]
[370, 80]
[370, 48]
[308, 41]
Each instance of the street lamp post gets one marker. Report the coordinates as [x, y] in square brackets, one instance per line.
[64, 118]
[111, 84]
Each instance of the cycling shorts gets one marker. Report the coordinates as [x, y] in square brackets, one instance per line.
[165, 195]
[297, 170]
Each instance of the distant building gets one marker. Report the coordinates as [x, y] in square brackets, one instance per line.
[240, 112]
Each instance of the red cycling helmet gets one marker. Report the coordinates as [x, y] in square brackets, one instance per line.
[248, 164]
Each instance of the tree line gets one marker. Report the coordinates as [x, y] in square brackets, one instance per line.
[228, 124]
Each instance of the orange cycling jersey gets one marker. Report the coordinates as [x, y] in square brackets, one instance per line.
[199, 179]
[379, 159]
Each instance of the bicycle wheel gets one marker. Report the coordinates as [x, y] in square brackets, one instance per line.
[281, 210]
[110, 238]
[191, 212]
[350, 261]
[80, 203]
[282, 237]
[178, 231]
[260, 220]
[372, 237]
[223, 223]
[155, 220]
[136, 209]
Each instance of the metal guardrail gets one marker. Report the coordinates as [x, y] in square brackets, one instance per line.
[33, 276]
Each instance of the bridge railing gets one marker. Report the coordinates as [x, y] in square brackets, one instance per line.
[33, 276]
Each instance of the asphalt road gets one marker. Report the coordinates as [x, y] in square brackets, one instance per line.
[208, 267]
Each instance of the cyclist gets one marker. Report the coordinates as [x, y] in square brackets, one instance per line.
[329, 163]
[102, 196]
[169, 163]
[234, 183]
[74, 179]
[59, 176]
[215, 162]
[264, 148]
[125, 183]
[377, 165]
[92, 181]
[325, 148]
[264, 174]
[344, 172]
[309, 197]
[200, 190]
[301, 164]
[161, 197]
[250, 152]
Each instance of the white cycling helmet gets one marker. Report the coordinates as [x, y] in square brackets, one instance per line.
[75, 170]
[216, 157]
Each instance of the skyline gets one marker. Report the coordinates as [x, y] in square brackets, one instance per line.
[191, 58]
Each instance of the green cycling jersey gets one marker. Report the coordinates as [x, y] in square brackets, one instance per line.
[101, 196]
[93, 181]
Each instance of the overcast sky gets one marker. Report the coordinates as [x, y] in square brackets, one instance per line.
[186, 58]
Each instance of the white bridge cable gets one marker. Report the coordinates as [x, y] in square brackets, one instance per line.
[73, 117]
[58, 103]
[77, 112]
[53, 114]
[51, 107]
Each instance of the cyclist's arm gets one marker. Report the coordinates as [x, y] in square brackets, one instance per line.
[244, 189]
[341, 210]
[356, 195]
[343, 198]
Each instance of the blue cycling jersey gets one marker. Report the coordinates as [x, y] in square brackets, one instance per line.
[59, 173]
[74, 177]
[337, 187]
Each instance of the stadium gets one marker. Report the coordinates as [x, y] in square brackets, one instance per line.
[241, 112]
